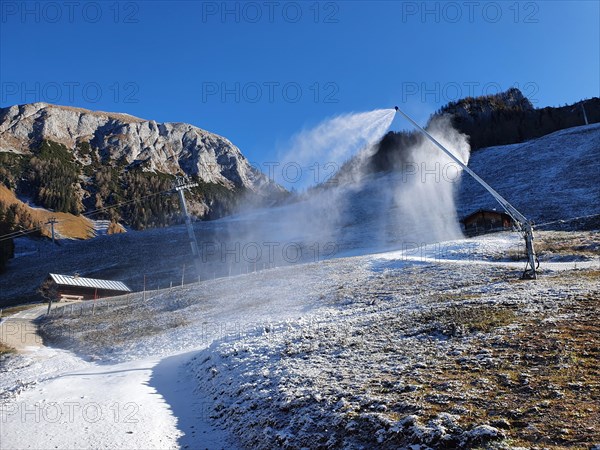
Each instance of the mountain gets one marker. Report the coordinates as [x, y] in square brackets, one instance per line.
[542, 180]
[488, 121]
[510, 118]
[75, 160]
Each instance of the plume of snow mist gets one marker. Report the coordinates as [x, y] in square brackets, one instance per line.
[421, 195]
[307, 229]
[365, 213]
[315, 155]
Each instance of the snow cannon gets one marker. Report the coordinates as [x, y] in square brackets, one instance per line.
[524, 226]
[396, 108]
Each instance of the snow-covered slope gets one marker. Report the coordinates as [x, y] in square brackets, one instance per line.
[551, 178]
[344, 353]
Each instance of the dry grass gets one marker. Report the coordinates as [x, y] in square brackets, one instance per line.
[5, 349]
[115, 228]
[567, 243]
[111, 325]
[557, 244]
[589, 274]
[538, 380]
[69, 225]
[450, 297]
[15, 309]
[533, 375]
[75, 227]
[459, 320]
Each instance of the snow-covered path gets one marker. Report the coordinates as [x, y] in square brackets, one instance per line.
[76, 404]
[19, 331]
[190, 413]
[96, 406]
[138, 404]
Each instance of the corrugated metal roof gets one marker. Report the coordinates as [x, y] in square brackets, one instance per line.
[69, 280]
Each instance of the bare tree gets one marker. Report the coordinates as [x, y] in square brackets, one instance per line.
[48, 290]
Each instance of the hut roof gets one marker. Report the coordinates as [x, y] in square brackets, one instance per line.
[77, 281]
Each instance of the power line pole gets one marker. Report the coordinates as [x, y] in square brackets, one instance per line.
[584, 114]
[51, 222]
[180, 185]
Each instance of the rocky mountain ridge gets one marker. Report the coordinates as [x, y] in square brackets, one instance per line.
[170, 148]
[79, 161]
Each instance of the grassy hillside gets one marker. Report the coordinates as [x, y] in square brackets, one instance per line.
[69, 225]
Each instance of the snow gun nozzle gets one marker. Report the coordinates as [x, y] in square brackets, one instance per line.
[396, 108]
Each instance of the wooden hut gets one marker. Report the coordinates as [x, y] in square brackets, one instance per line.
[74, 287]
[486, 221]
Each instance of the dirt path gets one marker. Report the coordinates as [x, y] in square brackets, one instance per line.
[20, 331]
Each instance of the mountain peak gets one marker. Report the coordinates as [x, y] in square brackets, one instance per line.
[116, 143]
[171, 148]
[510, 100]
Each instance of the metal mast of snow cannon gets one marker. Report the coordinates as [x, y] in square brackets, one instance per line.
[523, 225]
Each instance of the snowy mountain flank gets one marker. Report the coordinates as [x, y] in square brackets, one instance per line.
[548, 179]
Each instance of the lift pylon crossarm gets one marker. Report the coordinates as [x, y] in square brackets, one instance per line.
[182, 183]
[521, 222]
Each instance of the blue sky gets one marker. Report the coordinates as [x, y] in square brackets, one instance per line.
[258, 72]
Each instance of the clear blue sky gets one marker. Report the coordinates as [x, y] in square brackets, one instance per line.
[257, 72]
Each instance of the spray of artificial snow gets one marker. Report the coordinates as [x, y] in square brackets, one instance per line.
[357, 211]
[314, 155]
[420, 196]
